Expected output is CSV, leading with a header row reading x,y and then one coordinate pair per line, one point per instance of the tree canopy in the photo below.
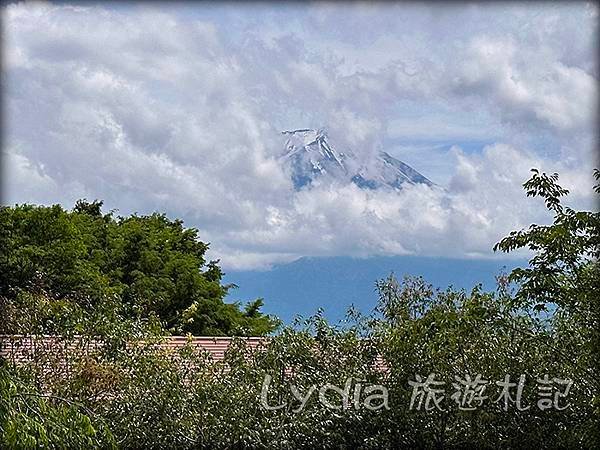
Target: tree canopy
x,y
146,266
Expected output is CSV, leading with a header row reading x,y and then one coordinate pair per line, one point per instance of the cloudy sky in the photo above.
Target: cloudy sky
x,y
179,108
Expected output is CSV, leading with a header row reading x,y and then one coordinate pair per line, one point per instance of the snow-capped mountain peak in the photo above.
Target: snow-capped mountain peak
x,y
309,157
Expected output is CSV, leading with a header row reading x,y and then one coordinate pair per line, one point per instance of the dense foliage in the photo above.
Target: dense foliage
x,y
56,263
29,419
540,324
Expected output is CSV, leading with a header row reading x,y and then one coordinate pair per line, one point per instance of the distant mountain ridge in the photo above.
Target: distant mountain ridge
x,y
309,156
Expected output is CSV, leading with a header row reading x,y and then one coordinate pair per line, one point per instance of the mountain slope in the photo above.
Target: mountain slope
x,y
309,157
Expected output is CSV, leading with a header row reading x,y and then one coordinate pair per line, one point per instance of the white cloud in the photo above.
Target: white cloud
x,y
162,109
526,87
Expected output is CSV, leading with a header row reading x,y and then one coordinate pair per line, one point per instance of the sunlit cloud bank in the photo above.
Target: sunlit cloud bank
x,y
179,109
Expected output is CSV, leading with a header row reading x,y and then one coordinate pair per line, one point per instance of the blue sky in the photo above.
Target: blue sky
x,y
179,107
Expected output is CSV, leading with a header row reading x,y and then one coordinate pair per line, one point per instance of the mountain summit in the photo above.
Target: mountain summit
x,y
309,156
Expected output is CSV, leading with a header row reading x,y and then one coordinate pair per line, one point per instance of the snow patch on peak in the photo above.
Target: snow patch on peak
x,y
309,155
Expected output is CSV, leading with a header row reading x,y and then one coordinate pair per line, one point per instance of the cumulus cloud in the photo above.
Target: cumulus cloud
x,y
524,88
176,109
484,201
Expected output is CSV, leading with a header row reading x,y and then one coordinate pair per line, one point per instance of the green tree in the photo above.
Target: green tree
x,y
87,260
564,276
